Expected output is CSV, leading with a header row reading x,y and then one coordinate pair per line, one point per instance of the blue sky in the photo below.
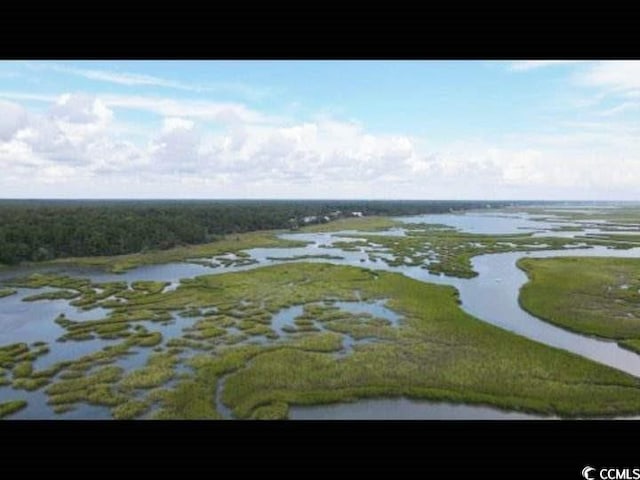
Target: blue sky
x,y
320,129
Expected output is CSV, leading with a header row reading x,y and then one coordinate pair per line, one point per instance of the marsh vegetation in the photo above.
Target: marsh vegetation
x,y
435,352
594,296
249,341
448,251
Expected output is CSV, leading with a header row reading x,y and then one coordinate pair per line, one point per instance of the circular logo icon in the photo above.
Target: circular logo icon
x,y
586,472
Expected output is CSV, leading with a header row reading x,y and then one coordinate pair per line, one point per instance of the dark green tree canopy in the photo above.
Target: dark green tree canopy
x,y
36,230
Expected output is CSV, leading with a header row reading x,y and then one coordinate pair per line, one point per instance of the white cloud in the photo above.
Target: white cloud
x,y
80,116
175,150
313,151
613,80
224,112
136,80
526,65
121,78
75,146
78,108
176,123
618,76
12,118
28,96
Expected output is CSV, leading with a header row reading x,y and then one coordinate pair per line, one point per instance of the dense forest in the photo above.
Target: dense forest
x,y
36,230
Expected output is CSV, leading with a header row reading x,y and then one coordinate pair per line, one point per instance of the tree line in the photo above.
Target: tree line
x,y
36,230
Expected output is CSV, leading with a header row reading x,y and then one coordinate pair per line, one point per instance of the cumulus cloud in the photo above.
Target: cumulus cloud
x,y
222,112
73,142
47,146
12,118
176,123
80,116
175,150
80,108
324,151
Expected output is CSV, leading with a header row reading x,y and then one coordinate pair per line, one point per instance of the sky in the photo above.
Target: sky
x,y
548,130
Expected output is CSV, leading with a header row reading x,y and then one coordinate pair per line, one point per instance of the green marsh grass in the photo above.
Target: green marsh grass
x,y
158,371
272,411
95,388
594,296
8,408
23,369
5,292
438,352
57,295
29,383
371,223
130,409
449,251
233,244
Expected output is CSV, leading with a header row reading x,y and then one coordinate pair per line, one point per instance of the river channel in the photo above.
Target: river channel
x,y
492,296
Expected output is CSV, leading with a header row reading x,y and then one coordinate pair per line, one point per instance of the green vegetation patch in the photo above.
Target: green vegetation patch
x,y
8,408
79,381
10,354
23,369
449,252
95,388
438,352
84,293
158,371
189,400
194,398
33,383
594,296
273,411
369,224
117,324
612,240
322,342
17,358
39,280
607,218
230,244
5,292
57,295
306,257
130,410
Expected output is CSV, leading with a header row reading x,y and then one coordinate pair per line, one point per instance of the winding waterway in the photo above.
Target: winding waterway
x,y
492,297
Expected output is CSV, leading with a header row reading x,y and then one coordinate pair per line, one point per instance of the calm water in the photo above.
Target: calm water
x,y
484,222
492,296
404,409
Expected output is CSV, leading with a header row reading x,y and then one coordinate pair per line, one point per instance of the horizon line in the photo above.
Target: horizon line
x,y
317,199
